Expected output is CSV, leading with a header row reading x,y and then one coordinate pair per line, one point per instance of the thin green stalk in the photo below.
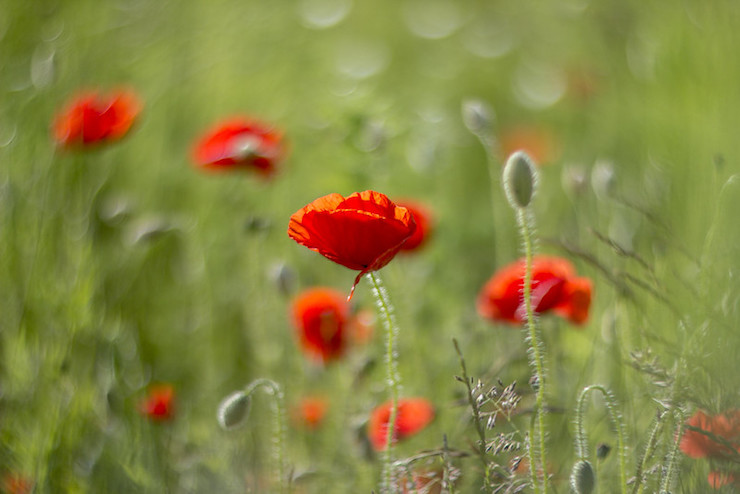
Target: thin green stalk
x,y
649,448
534,346
581,442
278,412
394,379
673,455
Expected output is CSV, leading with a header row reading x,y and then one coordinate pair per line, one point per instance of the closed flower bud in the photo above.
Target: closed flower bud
x,y
520,179
582,478
233,410
477,116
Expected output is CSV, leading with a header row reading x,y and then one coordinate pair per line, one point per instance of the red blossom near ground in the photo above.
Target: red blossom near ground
x,y
310,412
725,426
92,118
320,316
240,144
717,479
414,414
158,405
423,219
17,484
425,481
538,142
554,287
363,231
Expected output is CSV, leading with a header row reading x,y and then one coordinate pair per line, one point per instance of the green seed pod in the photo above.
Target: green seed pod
x,y
520,179
582,478
233,410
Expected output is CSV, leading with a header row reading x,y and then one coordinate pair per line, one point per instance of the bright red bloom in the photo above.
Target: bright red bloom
x,y
240,143
310,412
725,426
554,287
320,316
363,231
423,219
414,414
92,118
159,403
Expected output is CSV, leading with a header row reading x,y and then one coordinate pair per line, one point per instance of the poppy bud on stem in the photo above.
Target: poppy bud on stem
x,y
234,409
581,440
520,181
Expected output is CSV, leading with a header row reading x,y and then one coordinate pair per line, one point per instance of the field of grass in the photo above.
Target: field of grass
x,y
125,267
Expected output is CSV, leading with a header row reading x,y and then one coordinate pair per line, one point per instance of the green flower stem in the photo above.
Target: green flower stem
x,y
581,442
536,352
672,456
278,413
394,379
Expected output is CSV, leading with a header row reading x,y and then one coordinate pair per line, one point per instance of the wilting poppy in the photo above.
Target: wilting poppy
x,y
725,426
159,403
240,143
363,231
539,143
92,117
554,287
310,412
414,414
320,316
423,219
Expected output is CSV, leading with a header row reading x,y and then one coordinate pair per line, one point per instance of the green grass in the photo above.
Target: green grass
x,y
91,316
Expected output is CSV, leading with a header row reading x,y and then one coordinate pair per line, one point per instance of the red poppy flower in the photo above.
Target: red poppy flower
x,y
363,231
310,412
725,426
320,316
554,287
92,118
423,219
414,414
421,480
159,403
240,143
717,479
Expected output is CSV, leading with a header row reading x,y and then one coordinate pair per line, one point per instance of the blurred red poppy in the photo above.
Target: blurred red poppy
x,y
538,142
320,316
725,426
17,484
363,231
92,117
717,479
310,412
159,403
554,287
421,480
240,143
414,414
423,219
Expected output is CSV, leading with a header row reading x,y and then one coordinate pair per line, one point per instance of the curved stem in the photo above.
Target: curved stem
x,y
581,444
278,411
534,346
394,379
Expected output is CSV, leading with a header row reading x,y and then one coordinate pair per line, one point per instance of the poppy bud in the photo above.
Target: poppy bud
x,y
582,478
233,410
602,451
477,116
520,179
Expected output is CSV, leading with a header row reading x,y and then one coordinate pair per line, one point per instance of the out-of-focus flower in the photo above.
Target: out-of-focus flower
x,y
424,224
362,326
538,142
717,479
17,484
554,287
414,414
421,480
362,232
240,143
725,427
159,403
92,117
310,412
320,317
